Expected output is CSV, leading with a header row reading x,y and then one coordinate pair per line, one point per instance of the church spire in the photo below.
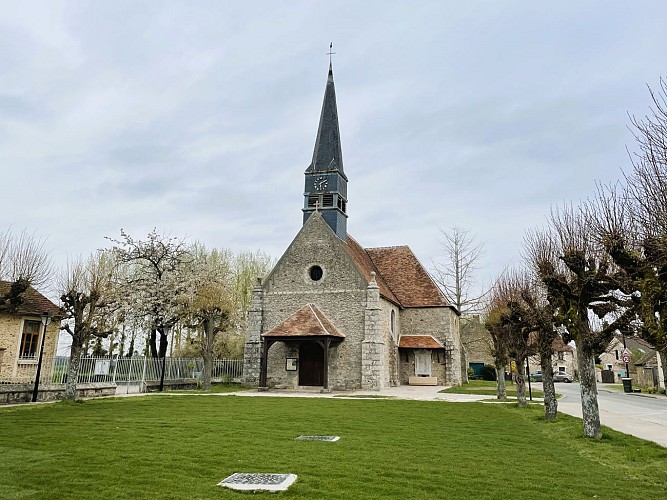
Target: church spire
x,y
325,190
328,154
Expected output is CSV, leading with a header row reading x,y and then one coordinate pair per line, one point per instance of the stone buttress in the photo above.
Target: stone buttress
x,y
373,373
252,351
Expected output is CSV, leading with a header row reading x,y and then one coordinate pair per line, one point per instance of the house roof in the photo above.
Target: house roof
x,y
308,321
419,342
406,277
631,342
559,345
34,303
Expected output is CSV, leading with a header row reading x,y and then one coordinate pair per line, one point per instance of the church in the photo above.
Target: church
x,y
335,315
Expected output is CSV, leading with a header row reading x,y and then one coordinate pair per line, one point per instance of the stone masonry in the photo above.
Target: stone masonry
x,y
252,350
373,372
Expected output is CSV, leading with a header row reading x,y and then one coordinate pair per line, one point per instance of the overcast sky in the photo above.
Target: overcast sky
x,y
199,118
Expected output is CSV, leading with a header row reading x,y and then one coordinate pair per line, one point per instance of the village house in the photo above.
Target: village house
x,y
22,334
643,359
335,315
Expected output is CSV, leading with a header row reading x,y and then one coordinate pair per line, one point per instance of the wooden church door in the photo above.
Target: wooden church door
x,y
311,364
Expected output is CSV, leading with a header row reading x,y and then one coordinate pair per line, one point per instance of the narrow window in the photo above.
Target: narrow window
x,y
30,338
392,322
618,356
327,200
313,201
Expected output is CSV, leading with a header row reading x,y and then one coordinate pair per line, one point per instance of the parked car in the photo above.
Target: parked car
x,y
562,377
536,377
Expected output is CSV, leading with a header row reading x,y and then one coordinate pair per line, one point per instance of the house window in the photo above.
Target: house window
x,y
618,356
29,339
561,356
561,369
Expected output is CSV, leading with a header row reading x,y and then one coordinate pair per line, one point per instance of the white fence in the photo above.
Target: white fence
x,y
134,371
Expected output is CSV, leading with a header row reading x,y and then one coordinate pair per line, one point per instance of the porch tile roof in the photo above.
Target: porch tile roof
x,y
308,321
419,342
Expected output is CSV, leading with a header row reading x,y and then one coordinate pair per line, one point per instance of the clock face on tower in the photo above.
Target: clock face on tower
x,y
321,183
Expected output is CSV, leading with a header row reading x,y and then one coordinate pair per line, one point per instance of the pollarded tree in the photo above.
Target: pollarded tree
x,y
155,282
208,305
499,332
587,291
88,298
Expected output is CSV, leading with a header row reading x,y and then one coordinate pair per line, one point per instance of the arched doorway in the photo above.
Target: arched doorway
x,y
311,364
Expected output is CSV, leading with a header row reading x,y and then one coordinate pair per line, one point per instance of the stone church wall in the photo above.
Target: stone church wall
x,y
340,294
390,340
443,324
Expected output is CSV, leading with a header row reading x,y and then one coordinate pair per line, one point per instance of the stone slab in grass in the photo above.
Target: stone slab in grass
x,y
245,481
330,439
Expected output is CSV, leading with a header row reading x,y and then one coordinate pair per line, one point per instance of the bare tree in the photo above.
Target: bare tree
x,y
583,285
455,273
23,262
499,332
87,297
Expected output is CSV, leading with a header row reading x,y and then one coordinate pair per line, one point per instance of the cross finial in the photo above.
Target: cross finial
x,y
331,52
317,206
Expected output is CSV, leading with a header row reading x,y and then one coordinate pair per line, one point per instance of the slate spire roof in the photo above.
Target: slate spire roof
x,y
328,155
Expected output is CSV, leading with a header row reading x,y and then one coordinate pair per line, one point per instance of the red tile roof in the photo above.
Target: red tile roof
x,y
34,303
406,277
419,342
308,321
366,266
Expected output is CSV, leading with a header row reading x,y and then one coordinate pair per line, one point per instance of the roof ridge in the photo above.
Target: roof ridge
x,y
312,308
390,246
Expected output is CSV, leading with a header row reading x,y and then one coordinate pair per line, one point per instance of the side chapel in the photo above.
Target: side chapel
x,y
335,315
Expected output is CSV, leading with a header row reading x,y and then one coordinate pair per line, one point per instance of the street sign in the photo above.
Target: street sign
x,y
625,358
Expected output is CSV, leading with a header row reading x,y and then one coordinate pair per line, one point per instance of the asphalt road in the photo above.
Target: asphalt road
x,y
636,414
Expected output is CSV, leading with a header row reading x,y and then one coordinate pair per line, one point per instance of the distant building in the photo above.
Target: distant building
x,y
643,357
333,314
563,359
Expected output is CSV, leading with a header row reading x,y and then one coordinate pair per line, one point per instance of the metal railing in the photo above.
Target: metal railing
x,y
132,371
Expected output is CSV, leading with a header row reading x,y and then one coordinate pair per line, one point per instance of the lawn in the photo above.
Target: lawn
x,y
174,446
488,388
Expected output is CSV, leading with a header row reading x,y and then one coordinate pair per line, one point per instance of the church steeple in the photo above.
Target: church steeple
x,y
326,182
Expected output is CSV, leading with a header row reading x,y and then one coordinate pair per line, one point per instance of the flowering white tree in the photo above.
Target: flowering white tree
x,y
155,283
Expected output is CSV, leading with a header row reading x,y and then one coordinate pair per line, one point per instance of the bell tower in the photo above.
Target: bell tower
x,y
326,183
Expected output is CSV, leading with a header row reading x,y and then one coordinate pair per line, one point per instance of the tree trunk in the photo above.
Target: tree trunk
x,y
208,336
163,345
663,362
208,369
589,396
500,381
521,381
152,344
75,352
550,401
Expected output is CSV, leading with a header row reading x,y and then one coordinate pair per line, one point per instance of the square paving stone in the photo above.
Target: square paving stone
x,y
247,481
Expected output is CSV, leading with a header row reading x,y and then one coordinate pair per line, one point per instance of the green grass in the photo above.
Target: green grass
x,y
487,388
215,389
172,447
